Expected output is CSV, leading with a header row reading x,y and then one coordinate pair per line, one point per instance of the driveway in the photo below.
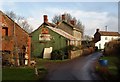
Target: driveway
x,y
81,68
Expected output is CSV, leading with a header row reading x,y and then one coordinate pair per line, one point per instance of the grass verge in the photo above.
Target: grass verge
x,y
21,73
110,72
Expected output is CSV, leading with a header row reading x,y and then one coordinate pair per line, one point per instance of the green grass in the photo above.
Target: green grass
x,y
112,60
19,73
42,62
27,73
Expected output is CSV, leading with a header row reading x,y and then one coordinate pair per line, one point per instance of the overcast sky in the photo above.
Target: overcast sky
x,y
93,15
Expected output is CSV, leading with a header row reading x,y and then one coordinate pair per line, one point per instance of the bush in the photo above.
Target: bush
x,y
57,55
112,48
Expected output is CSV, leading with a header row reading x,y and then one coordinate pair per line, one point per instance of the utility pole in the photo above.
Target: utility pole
x,y
106,28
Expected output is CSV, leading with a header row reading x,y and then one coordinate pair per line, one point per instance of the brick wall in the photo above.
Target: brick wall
x,y
16,37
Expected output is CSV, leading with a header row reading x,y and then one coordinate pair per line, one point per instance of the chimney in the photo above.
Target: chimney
x,y
72,22
57,22
45,18
63,17
97,30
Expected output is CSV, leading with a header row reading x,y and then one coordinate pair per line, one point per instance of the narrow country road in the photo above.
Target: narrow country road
x,y
80,69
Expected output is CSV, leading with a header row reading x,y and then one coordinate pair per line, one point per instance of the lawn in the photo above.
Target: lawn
x,y
28,73
18,73
43,62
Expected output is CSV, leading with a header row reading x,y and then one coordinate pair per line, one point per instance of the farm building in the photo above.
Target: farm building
x,y
49,36
15,42
70,28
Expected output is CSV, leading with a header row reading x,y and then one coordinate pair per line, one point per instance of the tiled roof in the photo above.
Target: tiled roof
x,y
50,24
63,33
106,33
73,27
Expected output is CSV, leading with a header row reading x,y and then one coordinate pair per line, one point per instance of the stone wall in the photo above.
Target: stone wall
x,y
74,54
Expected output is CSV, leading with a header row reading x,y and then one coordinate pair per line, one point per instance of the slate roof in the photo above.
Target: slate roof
x,y
107,33
62,33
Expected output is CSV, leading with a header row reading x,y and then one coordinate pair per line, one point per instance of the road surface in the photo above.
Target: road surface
x,y
80,69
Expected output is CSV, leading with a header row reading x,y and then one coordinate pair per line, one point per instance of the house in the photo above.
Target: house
x,y
70,28
102,37
47,36
15,42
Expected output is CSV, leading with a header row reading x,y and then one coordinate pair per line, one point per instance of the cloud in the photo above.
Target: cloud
x,y
90,19
34,23
1,4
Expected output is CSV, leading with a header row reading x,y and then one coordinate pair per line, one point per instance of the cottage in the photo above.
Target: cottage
x,y
48,36
102,37
71,29
15,42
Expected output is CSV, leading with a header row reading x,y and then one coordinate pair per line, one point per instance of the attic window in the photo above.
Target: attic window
x,y
4,31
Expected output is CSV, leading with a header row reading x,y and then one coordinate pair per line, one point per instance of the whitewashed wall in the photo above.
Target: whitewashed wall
x,y
100,44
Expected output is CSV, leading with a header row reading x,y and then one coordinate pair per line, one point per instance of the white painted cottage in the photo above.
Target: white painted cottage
x,y
105,36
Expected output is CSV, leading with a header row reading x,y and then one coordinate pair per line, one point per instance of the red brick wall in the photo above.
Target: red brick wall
x,y
19,39
29,49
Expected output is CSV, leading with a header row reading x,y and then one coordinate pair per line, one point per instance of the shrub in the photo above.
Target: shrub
x,y
112,48
57,55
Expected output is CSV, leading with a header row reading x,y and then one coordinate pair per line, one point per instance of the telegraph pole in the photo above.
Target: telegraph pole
x,y
106,28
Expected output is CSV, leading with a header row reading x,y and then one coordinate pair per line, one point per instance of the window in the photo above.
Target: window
x,y
99,46
112,38
105,38
4,31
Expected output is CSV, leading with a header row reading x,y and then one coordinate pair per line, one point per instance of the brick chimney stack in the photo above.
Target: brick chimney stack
x,y
97,30
45,18
72,22
63,17
57,22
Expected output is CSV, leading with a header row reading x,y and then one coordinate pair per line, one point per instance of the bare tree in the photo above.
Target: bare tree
x,y
68,18
11,14
20,20
56,19
87,37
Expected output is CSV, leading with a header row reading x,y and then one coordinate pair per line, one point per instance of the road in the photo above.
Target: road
x,y
80,69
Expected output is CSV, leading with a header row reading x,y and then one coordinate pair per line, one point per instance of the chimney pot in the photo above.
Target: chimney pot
x,y
97,30
57,23
63,17
72,22
45,18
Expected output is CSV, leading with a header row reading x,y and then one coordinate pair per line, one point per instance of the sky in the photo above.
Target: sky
x,y
93,15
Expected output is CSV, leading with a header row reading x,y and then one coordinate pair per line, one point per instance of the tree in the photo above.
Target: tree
x,y
87,37
11,14
20,20
56,19
68,18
